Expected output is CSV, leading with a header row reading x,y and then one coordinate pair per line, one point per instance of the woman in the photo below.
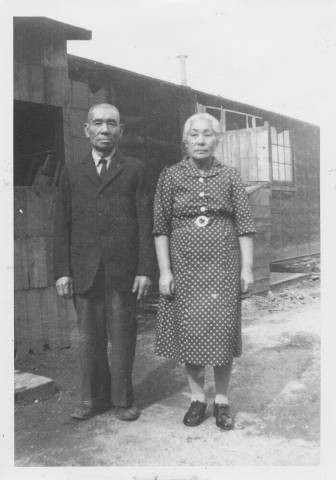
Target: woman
x,y
202,228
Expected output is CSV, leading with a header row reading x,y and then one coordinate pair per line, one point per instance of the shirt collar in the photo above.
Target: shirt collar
x,y
97,156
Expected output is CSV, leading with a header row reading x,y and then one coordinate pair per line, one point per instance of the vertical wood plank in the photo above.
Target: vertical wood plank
x,y
63,321
21,266
22,329
52,320
21,81
79,95
262,145
50,280
36,83
244,155
20,212
34,214
35,320
37,253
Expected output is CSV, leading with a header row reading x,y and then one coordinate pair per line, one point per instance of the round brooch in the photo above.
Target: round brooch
x,y
202,221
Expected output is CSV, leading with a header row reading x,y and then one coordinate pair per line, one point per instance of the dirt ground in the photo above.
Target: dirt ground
x,y
274,396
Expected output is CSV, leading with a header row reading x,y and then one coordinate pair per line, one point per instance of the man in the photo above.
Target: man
x,y
103,258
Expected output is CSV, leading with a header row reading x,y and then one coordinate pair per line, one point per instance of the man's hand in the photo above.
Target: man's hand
x,y
141,285
246,280
64,287
166,284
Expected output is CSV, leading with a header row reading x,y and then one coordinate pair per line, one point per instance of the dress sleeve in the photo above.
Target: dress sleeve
x,y
163,202
241,210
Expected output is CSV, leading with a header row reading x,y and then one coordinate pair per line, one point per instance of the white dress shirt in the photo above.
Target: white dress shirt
x,y
97,156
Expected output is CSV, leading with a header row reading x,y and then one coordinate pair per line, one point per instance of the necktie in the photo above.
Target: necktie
x,y
103,170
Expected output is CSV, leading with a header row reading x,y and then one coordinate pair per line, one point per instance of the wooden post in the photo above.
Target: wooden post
x,y
223,119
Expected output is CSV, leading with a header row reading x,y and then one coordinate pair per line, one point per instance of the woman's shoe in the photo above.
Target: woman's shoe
x,y
222,415
195,414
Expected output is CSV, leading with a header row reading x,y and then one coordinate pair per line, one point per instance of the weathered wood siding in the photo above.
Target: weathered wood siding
x,y
261,212
248,151
295,210
41,75
42,320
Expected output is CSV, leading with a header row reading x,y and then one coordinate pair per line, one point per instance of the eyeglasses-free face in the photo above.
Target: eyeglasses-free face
x,y
201,140
103,128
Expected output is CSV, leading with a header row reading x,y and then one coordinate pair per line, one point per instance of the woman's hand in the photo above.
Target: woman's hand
x,y
246,279
166,284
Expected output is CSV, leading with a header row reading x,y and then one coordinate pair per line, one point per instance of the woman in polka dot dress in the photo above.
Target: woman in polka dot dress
x,y
203,237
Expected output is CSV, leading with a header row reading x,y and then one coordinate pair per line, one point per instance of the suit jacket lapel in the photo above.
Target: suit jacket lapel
x,y
90,170
117,165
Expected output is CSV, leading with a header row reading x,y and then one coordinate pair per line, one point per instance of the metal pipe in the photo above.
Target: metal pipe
x,y
183,69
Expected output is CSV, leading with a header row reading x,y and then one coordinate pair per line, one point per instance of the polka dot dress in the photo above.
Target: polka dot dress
x,y
202,214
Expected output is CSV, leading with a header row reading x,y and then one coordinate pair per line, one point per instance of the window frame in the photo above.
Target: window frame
x,y
277,182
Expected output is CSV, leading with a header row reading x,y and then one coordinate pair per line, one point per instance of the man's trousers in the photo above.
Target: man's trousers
x,y
106,314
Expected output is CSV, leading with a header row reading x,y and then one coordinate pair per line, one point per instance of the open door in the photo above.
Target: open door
x,y
247,147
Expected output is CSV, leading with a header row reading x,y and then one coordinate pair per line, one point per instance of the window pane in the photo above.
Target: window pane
x,y
282,173
288,159
281,154
275,169
274,135
286,138
274,153
288,173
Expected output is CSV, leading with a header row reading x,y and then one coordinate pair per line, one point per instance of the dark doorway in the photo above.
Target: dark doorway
x,y
38,143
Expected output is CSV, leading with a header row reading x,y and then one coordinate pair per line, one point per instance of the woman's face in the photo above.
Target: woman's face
x,y
201,141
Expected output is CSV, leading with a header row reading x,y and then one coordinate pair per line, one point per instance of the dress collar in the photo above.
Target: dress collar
x,y
191,170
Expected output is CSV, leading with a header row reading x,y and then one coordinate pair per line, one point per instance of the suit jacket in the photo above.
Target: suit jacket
x,y
106,220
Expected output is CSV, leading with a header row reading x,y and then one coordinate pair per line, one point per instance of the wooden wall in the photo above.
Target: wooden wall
x,y
41,74
41,70
259,201
248,151
295,210
42,320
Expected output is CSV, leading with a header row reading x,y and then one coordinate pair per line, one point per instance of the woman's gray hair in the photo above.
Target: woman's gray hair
x,y
215,125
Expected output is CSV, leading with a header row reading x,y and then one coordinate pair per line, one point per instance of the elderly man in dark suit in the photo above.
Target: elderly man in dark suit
x,y
103,258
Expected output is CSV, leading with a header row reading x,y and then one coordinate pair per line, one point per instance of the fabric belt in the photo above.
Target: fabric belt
x,y
200,221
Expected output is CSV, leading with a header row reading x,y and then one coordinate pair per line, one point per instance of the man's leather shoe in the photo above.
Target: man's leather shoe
x,y
195,414
84,413
222,415
127,413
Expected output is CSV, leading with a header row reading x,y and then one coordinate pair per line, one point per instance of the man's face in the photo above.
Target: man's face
x,y
103,128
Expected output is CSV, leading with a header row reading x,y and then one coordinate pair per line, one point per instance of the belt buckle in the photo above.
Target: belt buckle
x,y
202,221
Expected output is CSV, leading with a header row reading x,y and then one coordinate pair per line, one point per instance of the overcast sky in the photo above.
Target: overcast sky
x,y
269,53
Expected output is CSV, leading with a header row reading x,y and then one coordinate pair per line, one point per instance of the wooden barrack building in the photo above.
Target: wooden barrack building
x,y
278,158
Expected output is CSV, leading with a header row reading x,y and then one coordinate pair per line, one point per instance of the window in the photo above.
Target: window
x,y
282,156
